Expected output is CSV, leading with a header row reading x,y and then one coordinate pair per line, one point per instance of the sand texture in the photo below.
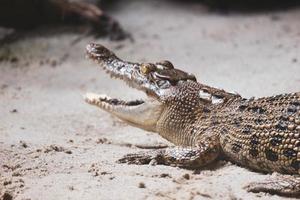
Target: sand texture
x,y
55,146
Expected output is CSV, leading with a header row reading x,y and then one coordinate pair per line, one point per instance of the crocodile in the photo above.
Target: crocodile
x,y
206,123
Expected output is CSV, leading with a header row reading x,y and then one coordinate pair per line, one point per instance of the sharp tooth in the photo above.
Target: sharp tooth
x,y
104,96
92,97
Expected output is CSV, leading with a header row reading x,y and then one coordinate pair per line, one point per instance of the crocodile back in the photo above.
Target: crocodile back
x,y
263,134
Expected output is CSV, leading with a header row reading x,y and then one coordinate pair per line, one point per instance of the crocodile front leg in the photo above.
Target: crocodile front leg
x,y
284,185
186,157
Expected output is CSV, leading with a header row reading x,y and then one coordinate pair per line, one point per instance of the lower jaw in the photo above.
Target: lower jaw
x,y
140,113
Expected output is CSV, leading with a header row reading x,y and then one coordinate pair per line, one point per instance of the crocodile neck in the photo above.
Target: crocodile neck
x,y
184,122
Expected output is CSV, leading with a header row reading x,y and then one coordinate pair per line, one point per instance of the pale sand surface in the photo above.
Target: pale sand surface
x,y
55,146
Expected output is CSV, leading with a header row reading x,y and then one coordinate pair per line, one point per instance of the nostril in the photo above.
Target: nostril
x,y
92,47
89,47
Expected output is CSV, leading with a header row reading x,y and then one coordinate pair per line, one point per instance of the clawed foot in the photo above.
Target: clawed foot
x,y
141,158
185,157
283,185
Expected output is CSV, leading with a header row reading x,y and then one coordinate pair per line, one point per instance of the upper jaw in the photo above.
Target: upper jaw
x,y
117,68
160,77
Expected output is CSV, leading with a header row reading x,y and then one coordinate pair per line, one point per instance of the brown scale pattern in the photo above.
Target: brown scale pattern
x,y
263,134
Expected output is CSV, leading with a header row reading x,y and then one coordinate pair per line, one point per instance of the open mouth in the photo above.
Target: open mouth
x,y
117,102
117,69
103,100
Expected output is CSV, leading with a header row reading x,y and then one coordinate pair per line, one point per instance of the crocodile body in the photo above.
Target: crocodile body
x,y
262,134
205,122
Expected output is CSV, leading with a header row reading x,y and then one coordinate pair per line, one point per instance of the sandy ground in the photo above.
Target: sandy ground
x,y
55,146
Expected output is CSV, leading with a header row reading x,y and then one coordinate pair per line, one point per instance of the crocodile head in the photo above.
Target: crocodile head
x,y
158,80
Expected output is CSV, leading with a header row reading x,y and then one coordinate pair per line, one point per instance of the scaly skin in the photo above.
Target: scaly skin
x,y
205,122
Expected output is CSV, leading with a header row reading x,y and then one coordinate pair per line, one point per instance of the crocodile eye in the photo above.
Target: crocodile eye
x,y
146,68
166,64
